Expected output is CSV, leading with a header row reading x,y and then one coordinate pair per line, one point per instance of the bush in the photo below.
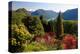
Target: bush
x,y
35,46
48,40
20,36
69,42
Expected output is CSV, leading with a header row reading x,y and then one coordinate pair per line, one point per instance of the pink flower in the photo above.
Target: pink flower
x,y
69,41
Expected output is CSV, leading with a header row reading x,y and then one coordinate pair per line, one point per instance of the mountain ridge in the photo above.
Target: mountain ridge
x,y
71,14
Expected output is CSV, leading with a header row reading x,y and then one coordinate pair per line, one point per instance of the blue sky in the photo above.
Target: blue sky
x,y
32,6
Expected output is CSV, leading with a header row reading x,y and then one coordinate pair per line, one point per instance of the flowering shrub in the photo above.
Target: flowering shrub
x,y
69,42
48,39
20,32
52,34
20,36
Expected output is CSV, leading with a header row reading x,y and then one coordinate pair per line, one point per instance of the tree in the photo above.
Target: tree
x,y
51,25
59,25
70,26
18,15
44,23
34,25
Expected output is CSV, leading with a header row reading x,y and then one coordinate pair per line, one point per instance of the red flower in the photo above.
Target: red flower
x,y
69,41
51,33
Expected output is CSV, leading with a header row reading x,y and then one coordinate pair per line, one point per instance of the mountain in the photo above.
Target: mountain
x,y
23,10
49,14
71,14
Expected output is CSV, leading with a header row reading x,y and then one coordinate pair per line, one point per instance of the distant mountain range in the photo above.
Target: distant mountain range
x,y
71,14
46,13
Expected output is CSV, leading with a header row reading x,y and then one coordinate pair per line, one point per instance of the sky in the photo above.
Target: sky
x,y
32,6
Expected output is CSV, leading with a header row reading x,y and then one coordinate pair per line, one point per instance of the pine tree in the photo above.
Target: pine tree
x,y
59,26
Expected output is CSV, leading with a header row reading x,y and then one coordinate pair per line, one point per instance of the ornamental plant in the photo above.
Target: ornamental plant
x,y
69,42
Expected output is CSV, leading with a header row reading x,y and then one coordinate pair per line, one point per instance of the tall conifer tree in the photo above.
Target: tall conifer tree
x,y
59,25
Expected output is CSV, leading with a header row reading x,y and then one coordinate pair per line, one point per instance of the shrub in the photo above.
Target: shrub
x,y
47,40
69,42
20,36
35,46
20,32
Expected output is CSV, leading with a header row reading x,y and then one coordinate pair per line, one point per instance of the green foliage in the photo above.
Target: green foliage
x,y
13,41
35,46
59,25
34,25
18,15
43,20
71,27
20,36
51,23
35,33
20,32
44,23
22,10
